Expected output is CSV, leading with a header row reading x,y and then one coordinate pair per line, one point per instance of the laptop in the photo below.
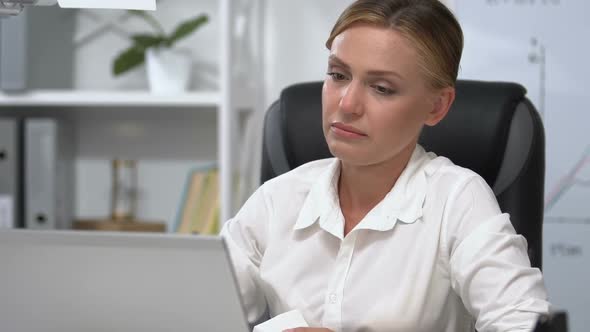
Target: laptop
x,y
66,281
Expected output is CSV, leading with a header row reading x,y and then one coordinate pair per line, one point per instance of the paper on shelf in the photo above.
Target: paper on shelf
x,y
109,4
287,320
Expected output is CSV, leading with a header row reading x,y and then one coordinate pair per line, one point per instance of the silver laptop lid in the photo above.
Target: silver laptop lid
x,y
81,281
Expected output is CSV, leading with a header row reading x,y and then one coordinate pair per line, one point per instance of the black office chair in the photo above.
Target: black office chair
x,y
492,128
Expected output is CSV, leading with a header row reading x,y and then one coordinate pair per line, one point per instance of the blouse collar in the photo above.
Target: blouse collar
x,y
403,202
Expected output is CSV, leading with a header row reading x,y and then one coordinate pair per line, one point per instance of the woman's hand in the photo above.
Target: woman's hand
x,y
308,329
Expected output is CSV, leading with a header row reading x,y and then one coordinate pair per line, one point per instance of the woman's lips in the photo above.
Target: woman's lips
x,y
343,130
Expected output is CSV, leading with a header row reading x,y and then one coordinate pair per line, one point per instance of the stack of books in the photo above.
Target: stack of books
x,y
199,208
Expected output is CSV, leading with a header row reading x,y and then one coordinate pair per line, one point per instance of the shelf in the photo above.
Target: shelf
x,y
108,98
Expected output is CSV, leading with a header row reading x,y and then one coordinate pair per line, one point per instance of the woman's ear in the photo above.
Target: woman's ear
x,y
443,100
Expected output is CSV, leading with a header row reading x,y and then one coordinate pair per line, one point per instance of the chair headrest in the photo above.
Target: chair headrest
x,y
473,134
301,109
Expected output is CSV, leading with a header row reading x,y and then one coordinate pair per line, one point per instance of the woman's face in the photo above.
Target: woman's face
x,y
375,99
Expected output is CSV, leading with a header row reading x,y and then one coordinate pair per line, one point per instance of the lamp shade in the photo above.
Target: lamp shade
x,y
109,4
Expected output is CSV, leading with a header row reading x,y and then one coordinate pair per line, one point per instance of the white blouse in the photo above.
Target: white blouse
x,y
436,254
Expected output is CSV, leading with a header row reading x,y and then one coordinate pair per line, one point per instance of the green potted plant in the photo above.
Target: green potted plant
x,y
168,67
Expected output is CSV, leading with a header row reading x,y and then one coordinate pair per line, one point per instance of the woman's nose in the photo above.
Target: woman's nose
x,y
351,99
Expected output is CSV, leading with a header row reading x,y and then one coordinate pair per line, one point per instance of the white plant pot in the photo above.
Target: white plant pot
x,y
168,70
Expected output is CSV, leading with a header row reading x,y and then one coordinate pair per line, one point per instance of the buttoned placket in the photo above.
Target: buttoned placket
x,y
335,291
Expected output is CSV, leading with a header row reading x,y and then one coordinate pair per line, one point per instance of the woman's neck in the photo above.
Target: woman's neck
x,y
361,188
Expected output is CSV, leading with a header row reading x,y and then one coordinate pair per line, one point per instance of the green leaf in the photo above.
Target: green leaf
x,y
145,41
128,59
186,28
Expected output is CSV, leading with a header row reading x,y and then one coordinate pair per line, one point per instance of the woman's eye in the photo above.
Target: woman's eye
x,y
337,76
382,90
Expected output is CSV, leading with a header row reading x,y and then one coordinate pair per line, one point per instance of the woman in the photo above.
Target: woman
x,y
385,237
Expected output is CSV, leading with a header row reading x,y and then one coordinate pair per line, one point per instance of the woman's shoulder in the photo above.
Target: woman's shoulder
x,y
443,171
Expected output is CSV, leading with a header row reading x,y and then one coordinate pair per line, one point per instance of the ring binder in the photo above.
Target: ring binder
x,y
10,172
49,174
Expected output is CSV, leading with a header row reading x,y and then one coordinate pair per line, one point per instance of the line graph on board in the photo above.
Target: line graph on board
x,y
567,182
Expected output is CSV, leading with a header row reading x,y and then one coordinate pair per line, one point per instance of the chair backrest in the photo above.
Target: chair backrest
x,y
492,128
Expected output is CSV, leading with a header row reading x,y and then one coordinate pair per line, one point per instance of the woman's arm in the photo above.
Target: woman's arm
x,y
245,236
489,265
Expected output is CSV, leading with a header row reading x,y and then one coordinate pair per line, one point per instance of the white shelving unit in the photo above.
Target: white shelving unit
x,y
109,98
226,123
238,20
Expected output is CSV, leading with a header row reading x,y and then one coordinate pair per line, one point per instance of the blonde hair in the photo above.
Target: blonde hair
x,y
428,24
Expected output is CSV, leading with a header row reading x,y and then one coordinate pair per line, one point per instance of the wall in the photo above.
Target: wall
x,y
296,32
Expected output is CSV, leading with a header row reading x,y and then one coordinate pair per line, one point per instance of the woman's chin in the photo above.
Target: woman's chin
x,y
352,155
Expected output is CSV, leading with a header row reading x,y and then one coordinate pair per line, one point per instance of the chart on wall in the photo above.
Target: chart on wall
x,y
544,45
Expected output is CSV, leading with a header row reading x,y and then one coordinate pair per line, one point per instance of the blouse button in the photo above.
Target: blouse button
x,y
333,298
